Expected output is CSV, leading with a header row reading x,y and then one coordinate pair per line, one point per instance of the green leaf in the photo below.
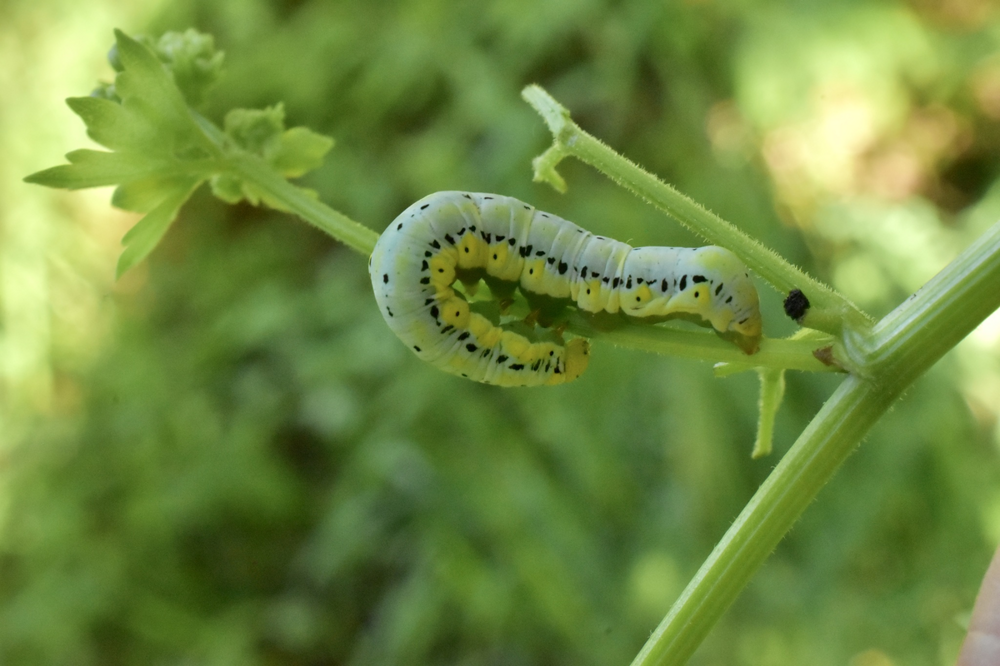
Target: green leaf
x,y
113,126
261,132
146,235
97,168
146,78
299,151
142,196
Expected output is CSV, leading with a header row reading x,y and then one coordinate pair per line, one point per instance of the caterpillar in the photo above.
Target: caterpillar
x,y
449,236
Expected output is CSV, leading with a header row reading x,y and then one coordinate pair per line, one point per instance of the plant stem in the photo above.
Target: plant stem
x,y
907,342
828,308
356,236
776,354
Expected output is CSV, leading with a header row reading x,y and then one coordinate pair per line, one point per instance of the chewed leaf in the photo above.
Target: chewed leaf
x,y
299,151
545,169
145,236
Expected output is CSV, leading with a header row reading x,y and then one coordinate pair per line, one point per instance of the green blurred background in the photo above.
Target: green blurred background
x,y
227,458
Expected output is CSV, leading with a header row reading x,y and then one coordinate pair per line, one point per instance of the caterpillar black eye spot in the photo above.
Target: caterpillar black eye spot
x,y
588,292
424,207
416,347
399,226
385,278
684,282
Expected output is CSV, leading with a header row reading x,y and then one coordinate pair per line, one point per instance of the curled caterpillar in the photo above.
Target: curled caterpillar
x,y
465,236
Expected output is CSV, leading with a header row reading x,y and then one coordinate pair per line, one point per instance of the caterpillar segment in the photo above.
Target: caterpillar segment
x,y
448,235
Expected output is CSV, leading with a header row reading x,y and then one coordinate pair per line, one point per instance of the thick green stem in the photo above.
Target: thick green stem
x,y
907,342
829,309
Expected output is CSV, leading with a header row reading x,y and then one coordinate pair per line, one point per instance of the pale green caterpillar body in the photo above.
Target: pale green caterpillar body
x,y
462,235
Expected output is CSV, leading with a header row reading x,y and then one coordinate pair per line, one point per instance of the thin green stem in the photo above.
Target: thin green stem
x,y
356,236
774,353
907,342
829,310
772,391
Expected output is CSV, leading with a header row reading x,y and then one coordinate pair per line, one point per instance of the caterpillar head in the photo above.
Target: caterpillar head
x,y
733,307
707,285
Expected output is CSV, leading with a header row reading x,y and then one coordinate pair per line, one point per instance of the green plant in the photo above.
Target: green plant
x,y
163,150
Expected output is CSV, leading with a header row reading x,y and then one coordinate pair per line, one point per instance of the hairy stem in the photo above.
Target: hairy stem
x,y
356,236
829,312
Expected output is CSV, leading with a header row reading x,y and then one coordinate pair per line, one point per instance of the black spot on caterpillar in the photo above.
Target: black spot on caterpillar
x,y
431,316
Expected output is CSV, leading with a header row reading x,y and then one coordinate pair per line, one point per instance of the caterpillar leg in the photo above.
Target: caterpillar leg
x,y
532,318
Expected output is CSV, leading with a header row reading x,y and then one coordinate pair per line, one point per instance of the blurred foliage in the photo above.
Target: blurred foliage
x,y
227,458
